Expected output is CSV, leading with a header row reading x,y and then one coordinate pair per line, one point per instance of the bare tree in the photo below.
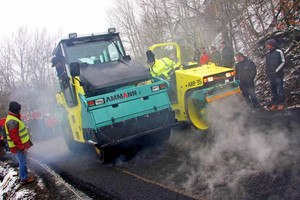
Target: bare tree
x,y
7,78
124,18
20,48
37,61
25,65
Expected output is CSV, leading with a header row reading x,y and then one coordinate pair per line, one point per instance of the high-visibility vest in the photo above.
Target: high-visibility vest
x,y
163,67
23,132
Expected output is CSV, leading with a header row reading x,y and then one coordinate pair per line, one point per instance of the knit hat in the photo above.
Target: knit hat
x,y
150,56
14,107
272,42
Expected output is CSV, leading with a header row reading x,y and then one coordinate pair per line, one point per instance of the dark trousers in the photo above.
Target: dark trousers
x,y
277,91
250,97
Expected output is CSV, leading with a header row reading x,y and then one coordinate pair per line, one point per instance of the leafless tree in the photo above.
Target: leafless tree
x,y
193,23
25,64
7,78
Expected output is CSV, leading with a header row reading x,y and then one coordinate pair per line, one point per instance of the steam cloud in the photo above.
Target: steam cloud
x,y
232,149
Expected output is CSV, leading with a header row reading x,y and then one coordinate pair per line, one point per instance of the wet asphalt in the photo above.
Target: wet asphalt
x,y
176,170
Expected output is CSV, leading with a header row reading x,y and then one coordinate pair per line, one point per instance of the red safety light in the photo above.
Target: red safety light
x,y
162,86
91,103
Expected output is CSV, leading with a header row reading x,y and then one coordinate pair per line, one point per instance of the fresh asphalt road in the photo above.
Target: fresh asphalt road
x,y
175,171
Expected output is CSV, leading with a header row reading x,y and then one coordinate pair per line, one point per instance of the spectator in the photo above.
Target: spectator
x,y
197,56
215,56
18,139
205,58
2,148
3,135
275,62
227,56
246,72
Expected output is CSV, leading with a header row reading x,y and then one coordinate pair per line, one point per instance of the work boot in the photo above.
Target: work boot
x,y
274,107
28,180
280,107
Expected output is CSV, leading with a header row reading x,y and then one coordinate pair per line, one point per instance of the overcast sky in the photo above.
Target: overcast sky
x,y
81,16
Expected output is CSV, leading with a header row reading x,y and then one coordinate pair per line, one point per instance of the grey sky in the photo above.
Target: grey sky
x,y
81,16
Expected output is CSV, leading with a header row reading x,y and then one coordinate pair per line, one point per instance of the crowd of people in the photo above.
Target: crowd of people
x,y
224,58
42,125
245,70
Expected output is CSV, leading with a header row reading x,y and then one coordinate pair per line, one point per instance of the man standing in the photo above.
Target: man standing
x,y
227,56
275,62
245,71
197,56
18,139
215,56
205,58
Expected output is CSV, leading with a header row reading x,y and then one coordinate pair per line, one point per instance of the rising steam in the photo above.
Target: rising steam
x,y
233,148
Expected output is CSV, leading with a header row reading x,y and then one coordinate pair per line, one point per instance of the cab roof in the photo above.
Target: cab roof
x,y
85,39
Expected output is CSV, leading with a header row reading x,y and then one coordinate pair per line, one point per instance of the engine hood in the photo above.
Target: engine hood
x,y
109,74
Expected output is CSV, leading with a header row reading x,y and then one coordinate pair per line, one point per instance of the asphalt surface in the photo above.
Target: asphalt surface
x,y
106,181
251,156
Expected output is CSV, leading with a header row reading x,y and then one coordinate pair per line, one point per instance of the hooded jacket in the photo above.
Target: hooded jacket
x,y
245,72
275,62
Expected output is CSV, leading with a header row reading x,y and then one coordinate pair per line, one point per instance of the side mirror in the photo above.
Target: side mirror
x,y
75,69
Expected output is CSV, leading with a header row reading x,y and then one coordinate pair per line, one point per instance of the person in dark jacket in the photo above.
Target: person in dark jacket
x,y
18,139
245,71
275,62
197,56
2,147
215,56
227,56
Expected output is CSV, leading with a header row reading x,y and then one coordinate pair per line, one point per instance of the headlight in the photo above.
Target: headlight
x,y
95,102
155,88
158,87
111,30
72,35
208,79
99,101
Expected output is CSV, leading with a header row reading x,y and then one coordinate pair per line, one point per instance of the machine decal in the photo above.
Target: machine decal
x,y
121,96
195,83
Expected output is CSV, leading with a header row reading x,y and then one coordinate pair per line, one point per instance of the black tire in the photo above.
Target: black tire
x,y
103,154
